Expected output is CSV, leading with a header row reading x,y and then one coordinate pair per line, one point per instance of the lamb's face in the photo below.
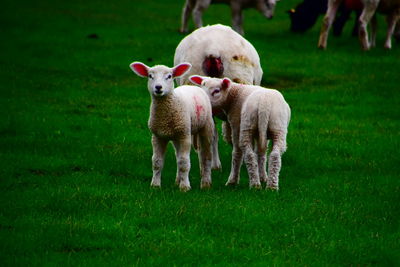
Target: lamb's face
x,y
217,90
160,77
160,80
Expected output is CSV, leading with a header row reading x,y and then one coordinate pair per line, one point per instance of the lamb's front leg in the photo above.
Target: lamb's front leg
x,y
205,155
182,150
216,162
237,159
159,148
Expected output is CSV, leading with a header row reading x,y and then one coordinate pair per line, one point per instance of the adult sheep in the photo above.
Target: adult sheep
x,y
306,13
210,54
391,8
218,51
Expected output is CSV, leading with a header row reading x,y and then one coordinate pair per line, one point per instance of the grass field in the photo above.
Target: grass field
x,y
76,154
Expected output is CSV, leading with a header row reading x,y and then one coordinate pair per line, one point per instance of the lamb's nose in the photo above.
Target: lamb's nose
x,y
158,87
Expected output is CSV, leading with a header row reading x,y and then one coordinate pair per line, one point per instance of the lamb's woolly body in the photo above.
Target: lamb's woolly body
x,y
240,59
184,111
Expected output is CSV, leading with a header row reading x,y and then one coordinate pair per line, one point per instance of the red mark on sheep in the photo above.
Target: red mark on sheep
x,y
199,107
213,66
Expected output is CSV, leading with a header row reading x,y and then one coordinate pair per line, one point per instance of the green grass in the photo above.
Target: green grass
x,y
76,154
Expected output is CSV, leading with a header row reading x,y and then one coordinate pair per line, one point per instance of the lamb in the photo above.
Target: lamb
x,y
210,55
176,115
251,109
265,115
196,7
389,7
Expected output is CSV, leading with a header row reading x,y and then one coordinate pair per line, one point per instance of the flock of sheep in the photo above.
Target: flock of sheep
x,y
184,115
367,9
220,79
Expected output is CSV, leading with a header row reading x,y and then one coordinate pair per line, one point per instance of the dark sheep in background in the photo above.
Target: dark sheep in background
x,y
305,15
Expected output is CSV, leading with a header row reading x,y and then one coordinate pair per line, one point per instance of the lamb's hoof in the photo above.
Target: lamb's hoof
x,y
231,183
263,179
321,47
205,185
217,167
155,186
256,186
272,188
184,188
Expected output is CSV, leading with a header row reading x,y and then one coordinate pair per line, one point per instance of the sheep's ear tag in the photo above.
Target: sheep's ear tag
x,y
226,83
196,80
140,69
181,69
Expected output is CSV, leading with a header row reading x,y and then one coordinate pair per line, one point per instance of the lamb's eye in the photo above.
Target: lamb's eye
x,y
151,76
169,76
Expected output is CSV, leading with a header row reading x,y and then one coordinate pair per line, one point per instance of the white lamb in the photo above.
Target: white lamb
x,y
265,115
255,115
176,115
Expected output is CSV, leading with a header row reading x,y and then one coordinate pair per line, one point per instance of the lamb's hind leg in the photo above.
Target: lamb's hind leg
x,y
205,155
159,148
182,150
250,158
262,162
274,161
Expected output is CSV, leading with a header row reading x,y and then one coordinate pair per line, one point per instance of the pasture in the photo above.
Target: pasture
x,y
76,154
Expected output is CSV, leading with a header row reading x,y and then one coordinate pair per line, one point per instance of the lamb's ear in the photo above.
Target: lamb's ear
x,y
196,79
140,69
181,69
226,83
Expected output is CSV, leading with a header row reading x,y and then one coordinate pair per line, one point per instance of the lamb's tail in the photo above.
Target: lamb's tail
x,y
213,66
263,118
